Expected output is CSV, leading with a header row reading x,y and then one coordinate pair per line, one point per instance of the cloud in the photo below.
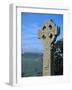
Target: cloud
x,y
31,26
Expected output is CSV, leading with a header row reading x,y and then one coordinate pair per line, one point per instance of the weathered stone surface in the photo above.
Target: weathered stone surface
x,y
47,34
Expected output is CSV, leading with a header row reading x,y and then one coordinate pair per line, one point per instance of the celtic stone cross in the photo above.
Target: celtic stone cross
x,y
47,34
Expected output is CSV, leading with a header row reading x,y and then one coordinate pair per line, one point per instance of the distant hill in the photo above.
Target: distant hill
x,y
31,54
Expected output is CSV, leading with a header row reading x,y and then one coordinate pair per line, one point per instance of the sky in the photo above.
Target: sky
x,y
30,24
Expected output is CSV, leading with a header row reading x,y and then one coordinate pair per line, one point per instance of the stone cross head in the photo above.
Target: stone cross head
x,y
48,33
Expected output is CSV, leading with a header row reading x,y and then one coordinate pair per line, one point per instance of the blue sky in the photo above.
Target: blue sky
x,y
30,24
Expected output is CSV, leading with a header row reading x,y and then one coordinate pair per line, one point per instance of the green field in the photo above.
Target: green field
x,y
31,64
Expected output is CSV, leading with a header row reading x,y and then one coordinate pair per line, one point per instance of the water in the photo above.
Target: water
x,y
32,64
